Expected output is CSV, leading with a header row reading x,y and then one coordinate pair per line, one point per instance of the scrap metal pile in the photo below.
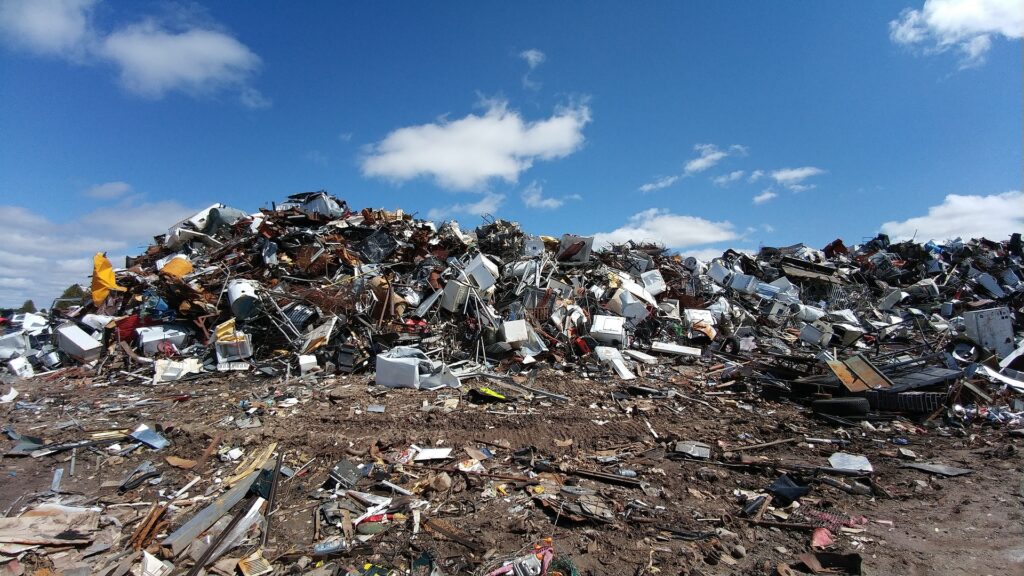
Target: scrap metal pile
x,y
310,291
313,287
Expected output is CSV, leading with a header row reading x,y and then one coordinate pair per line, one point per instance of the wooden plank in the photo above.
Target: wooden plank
x,y
858,374
183,536
867,372
848,379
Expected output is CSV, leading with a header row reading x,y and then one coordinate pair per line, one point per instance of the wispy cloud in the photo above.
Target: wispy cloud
x,y
658,184
465,154
153,57
672,230
794,178
966,26
108,190
966,216
726,179
533,197
489,204
254,99
709,155
765,196
533,58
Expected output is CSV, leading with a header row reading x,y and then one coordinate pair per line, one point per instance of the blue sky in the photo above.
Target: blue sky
x,y
700,125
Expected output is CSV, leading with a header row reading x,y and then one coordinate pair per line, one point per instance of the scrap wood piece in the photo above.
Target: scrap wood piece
x,y
183,536
210,448
148,528
55,529
183,463
449,532
858,374
255,462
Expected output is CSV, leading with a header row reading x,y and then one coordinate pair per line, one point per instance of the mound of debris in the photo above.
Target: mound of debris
x,y
311,304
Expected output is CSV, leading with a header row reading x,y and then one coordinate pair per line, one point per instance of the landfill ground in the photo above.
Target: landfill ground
x,y
971,524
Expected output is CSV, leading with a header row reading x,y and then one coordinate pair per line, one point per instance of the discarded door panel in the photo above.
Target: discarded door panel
x,y
858,374
992,328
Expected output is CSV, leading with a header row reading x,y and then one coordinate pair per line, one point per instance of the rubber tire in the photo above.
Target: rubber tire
x,y
842,406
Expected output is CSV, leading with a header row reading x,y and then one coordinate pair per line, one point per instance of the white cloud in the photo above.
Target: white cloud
x,y
49,27
658,184
533,57
708,254
153,57
726,179
768,228
489,204
765,196
154,61
672,230
793,178
995,216
254,99
533,197
465,154
345,136
39,258
108,190
965,25
755,176
708,155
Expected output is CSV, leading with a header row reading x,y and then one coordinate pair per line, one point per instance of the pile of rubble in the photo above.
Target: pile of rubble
x,y
307,301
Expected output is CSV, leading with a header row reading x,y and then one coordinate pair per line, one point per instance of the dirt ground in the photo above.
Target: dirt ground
x,y
930,525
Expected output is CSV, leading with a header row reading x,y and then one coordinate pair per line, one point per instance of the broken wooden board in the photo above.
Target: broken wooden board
x,y
50,529
858,374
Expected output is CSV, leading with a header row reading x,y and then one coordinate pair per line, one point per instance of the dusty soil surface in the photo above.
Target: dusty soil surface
x,y
929,525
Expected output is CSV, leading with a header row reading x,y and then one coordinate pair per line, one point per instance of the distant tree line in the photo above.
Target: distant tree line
x,y
72,296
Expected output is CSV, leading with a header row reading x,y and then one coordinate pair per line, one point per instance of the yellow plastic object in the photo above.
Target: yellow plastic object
x,y
103,280
177,267
225,332
492,393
